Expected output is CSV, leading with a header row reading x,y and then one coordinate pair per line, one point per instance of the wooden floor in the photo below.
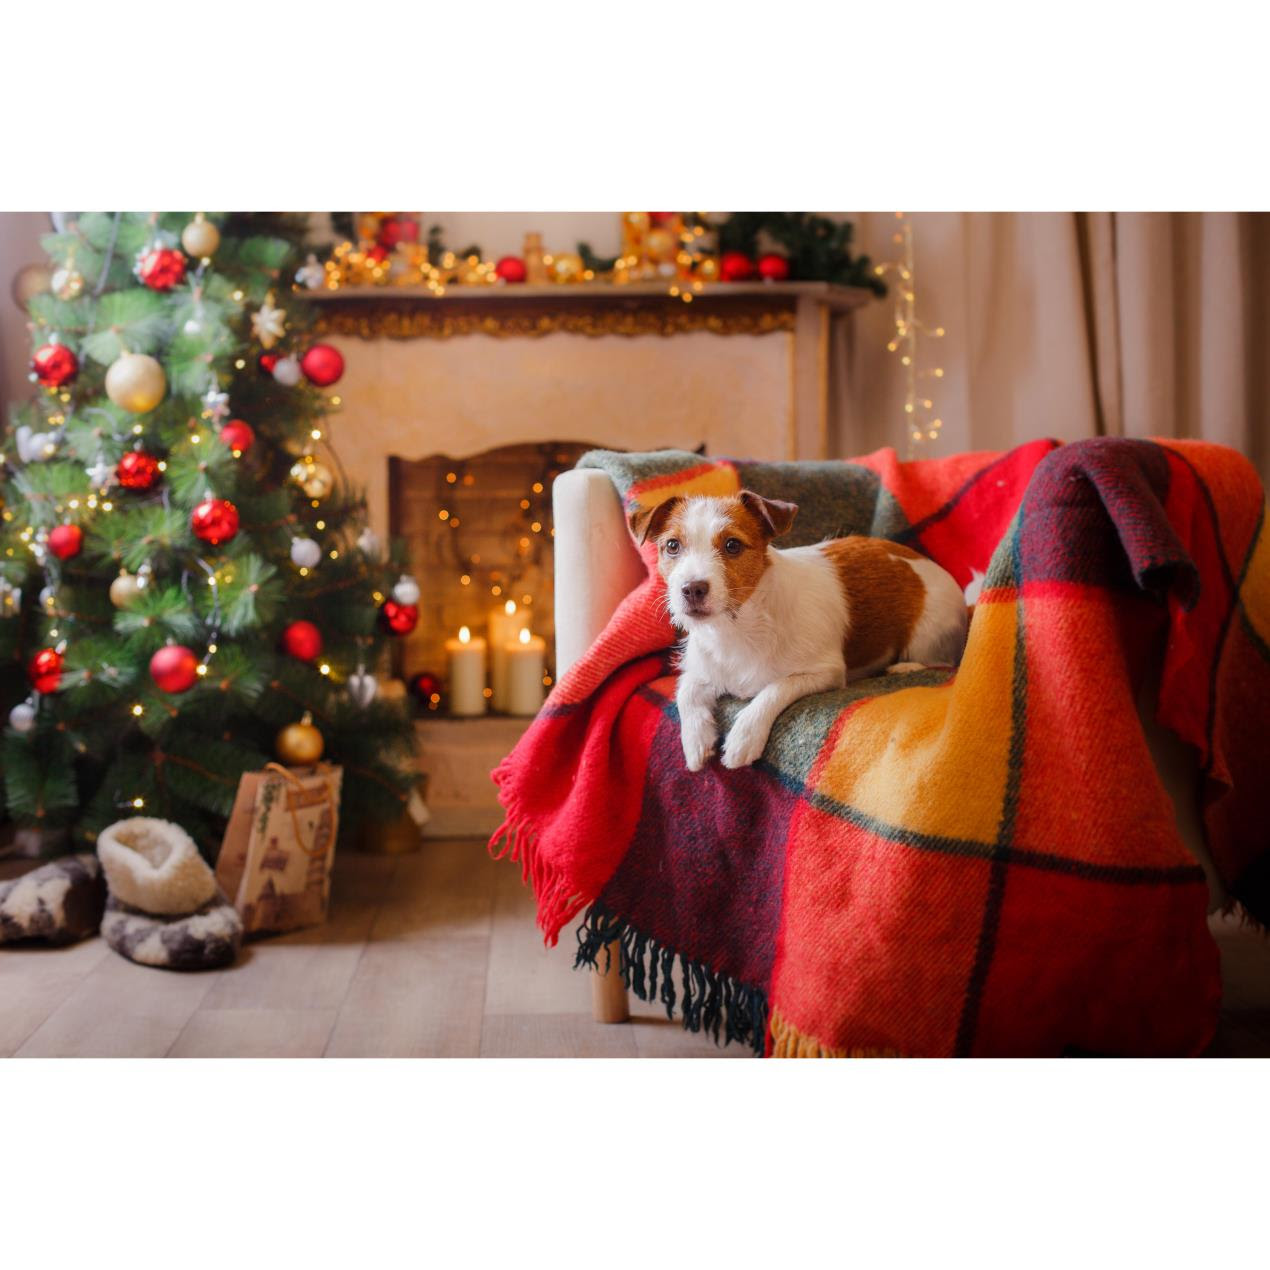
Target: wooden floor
x,y
434,954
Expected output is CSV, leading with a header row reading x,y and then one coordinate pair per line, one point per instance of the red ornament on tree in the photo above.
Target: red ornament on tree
x,y
425,685
397,229
161,268
735,266
44,670
239,435
137,470
65,541
322,365
267,361
378,254
214,520
399,619
303,640
174,668
774,267
511,269
54,365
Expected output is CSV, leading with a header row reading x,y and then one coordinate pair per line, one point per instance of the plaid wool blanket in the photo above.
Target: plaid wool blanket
x,y
979,862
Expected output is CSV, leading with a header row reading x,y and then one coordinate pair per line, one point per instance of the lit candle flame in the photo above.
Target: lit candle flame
x,y
464,635
510,607
524,635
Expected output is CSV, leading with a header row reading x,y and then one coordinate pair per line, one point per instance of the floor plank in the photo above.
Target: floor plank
x,y
555,1036
34,981
255,1034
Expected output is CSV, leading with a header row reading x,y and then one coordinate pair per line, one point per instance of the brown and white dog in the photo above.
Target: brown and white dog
x,y
773,626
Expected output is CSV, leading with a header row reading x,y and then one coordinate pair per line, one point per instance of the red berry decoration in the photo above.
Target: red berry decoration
x,y
774,267
239,435
65,541
322,365
174,668
137,470
267,361
395,230
302,640
735,266
161,268
214,520
44,670
399,619
511,269
54,365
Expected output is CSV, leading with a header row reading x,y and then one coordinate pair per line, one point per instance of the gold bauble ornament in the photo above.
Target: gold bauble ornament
x,y
200,238
67,283
314,478
30,281
661,244
299,744
567,267
707,269
135,382
125,589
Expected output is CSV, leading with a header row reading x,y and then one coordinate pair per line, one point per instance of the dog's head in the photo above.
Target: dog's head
x,y
711,551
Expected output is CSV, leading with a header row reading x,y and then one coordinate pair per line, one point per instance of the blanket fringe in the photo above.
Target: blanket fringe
x,y
789,1042
556,905
711,1002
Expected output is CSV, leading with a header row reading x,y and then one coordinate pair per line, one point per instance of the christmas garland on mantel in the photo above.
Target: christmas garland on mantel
x,y
818,249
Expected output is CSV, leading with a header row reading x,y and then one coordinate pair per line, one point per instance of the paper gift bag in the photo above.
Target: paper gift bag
x,y
275,860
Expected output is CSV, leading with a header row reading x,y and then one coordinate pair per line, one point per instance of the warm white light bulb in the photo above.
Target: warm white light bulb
x,y
524,635
465,635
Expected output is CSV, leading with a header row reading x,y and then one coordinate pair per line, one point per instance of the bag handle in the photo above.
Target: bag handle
x,y
312,849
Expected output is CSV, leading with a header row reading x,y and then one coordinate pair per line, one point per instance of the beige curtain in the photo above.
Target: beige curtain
x,y
1073,325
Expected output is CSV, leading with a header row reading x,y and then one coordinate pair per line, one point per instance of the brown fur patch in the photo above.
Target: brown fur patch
x,y
884,596
743,571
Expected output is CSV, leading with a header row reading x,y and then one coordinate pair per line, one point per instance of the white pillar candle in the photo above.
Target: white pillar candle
x,y
504,622
466,657
525,658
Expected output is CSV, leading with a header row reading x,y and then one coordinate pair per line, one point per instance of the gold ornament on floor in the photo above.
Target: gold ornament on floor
x,y
200,238
300,744
135,382
269,323
126,589
314,478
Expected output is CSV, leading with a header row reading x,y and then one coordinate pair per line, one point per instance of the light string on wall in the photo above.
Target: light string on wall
x,y
922,425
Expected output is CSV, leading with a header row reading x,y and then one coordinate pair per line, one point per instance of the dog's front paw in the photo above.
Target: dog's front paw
x,y
746,740
698,733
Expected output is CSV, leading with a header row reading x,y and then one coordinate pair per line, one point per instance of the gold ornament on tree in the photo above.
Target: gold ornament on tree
x,y
126,589
921,425
299,744
200,237
28,282
313,477
135,382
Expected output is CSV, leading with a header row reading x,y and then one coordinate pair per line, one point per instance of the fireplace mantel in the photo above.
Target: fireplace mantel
x,y
748,369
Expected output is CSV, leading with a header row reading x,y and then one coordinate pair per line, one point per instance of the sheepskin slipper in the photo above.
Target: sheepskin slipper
x,y
164,907
59,902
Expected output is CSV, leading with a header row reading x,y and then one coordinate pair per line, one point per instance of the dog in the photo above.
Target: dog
x,y
772,625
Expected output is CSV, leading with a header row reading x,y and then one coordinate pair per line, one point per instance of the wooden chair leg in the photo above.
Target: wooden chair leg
x,y
608,992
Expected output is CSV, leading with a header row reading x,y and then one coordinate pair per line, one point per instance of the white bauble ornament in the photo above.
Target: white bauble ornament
x,y
48,599
311,274
406,590
136,383
362,688
101,474
35,447
305,553
22,717
216,404
368,543
287,372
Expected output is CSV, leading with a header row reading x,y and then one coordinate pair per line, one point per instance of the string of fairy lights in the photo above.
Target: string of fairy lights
x,y
921,425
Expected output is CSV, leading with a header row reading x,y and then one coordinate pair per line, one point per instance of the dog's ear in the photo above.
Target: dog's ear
x,y
647,522
776,517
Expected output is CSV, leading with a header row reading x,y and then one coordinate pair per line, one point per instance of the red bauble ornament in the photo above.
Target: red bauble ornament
x,y
267,361
44,670
425,685
660,218
397,229
161,268
774,267
302,640
735,266
239,435
511,269
322,365
174,668
399,619
214,520
378,254
137,470
54,365
65,541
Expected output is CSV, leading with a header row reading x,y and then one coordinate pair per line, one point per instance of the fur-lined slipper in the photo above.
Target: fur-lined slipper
x,y
59,902
164,907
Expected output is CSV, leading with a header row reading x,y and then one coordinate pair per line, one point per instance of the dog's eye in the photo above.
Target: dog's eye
x,y
734,546
671,546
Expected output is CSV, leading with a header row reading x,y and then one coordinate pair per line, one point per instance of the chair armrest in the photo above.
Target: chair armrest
x,y
597,564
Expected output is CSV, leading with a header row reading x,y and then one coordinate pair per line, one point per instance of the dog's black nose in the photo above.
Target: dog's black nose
x,y
695,593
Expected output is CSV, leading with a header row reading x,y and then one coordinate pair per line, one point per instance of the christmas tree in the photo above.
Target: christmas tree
x,y
188,588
